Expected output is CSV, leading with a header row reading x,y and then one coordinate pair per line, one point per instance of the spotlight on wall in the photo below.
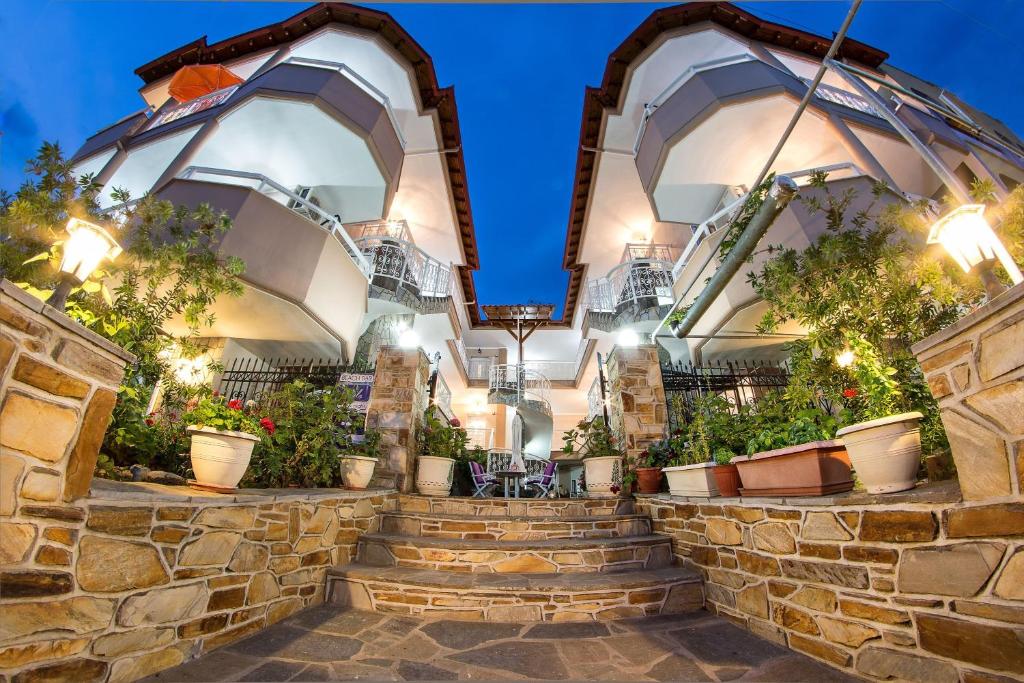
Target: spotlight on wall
x,y
968,238
628,338
408,339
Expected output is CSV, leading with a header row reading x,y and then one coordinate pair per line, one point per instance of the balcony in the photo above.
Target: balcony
x,y
514,384
636,293
400,272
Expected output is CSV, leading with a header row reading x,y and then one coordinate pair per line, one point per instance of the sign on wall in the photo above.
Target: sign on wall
x,y
360,383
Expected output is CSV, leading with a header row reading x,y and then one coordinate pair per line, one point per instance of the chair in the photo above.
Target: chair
x,y
543,481
481,480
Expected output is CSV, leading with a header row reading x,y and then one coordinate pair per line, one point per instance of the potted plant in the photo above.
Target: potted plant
x,y
358,463
223,436
885,449
602,459
795,458
441,443
727,476
648,470
690,473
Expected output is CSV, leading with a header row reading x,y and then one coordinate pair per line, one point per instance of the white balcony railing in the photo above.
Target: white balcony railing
x,y
443,397
396,230
835,95
370,88
480,437
524,383
644,283
286,197
595,401
408,265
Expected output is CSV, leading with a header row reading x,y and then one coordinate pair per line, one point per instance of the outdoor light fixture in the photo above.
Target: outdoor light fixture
x,y
970,241
845,358
628,337
408,339
86,246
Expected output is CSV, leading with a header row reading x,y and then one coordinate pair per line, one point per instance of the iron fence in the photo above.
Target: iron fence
x,y
255,378
739,382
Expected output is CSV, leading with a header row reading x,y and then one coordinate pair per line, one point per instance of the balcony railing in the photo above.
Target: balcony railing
x,y
595,401
480,437
835,95
396,230
640,284
370,88
286,197
514,383
648,252
562,370
400,265
443,397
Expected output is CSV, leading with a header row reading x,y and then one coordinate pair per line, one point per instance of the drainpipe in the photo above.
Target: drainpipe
x,y
779,196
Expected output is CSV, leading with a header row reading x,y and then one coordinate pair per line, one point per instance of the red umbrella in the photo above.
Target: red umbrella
x,y
195,81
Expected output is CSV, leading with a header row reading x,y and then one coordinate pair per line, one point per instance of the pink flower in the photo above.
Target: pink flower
x,y
455,422
235,404
268,425
150,421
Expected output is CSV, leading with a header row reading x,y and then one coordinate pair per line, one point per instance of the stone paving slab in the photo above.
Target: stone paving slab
x,y
326,643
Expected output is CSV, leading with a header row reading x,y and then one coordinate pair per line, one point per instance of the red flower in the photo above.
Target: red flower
x,y
268,425
455,422
615,488
235,404
216,393
849,393
150,421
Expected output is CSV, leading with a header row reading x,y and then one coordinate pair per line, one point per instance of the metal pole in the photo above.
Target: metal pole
x,y
779,196
604,389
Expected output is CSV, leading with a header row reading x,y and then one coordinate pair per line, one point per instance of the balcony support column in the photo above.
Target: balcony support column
x,y
637,411
397,402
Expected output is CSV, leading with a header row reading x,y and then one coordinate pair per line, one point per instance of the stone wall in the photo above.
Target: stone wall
x,y
139,577
915,586
636,397
975,369
58,386
397,401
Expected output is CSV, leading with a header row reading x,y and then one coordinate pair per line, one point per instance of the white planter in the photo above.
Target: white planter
x,y
357,470
434,475
692,480
885,452
219,458
601,474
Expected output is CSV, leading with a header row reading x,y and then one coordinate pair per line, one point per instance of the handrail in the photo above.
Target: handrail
x,y
395,258
627,283
343,68
332,224
528,384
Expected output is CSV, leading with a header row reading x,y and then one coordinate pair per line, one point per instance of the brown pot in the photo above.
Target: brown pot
x,y
728,479
648,479
817,468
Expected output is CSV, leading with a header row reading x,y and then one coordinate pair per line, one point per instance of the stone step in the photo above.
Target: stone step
x,y
516,507
567,555
516,597
429,524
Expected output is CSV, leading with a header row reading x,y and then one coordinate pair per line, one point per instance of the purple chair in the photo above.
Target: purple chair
x,y
481,480
543,481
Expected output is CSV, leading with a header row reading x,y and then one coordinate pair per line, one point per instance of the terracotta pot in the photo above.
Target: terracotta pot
x,y
601,474
434,475
649,479
886,452
728,479
692,480
812,469
220,458
357,470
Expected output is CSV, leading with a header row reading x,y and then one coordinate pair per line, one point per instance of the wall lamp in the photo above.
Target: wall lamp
x,y
87,245
968,238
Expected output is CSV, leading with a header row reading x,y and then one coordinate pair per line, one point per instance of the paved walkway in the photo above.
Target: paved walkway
x,y
328,643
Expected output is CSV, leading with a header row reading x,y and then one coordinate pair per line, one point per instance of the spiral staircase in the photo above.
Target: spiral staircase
x,y
528,391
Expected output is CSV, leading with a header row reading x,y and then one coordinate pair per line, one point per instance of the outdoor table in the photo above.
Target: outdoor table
x,y
508,475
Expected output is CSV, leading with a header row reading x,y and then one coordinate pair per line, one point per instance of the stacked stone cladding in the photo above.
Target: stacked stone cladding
x,y
138,577
917,586
637,411
397,402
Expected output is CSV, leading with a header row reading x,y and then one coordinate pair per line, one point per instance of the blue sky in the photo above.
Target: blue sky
x,y
519,74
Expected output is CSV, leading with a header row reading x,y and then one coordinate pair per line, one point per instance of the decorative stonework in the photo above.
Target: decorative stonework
x,y
140,577
637,410
920,587
58,383
975,369
397,402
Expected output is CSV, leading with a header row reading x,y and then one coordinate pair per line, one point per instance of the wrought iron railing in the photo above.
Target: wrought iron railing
x,y
254,378
835,95
514,383
640,284
284,196
398,264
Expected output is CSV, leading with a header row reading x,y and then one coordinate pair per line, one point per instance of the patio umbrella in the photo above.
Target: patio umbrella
x,y
193,81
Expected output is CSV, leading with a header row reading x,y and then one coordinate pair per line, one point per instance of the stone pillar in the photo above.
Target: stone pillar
x,y
58,386
975,369
636,398
397,402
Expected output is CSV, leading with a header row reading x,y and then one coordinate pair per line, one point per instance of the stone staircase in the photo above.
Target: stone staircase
x,y
515,560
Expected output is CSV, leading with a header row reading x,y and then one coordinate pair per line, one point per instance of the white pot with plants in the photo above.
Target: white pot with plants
x,y
440,442
885,452
223,436
692,471
694,479
602,459
359,462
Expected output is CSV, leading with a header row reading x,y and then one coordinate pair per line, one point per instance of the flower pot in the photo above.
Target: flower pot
x,y
692,480
727,477
886,452
648,479
816,468
220,458
602,473
357,470
434,475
